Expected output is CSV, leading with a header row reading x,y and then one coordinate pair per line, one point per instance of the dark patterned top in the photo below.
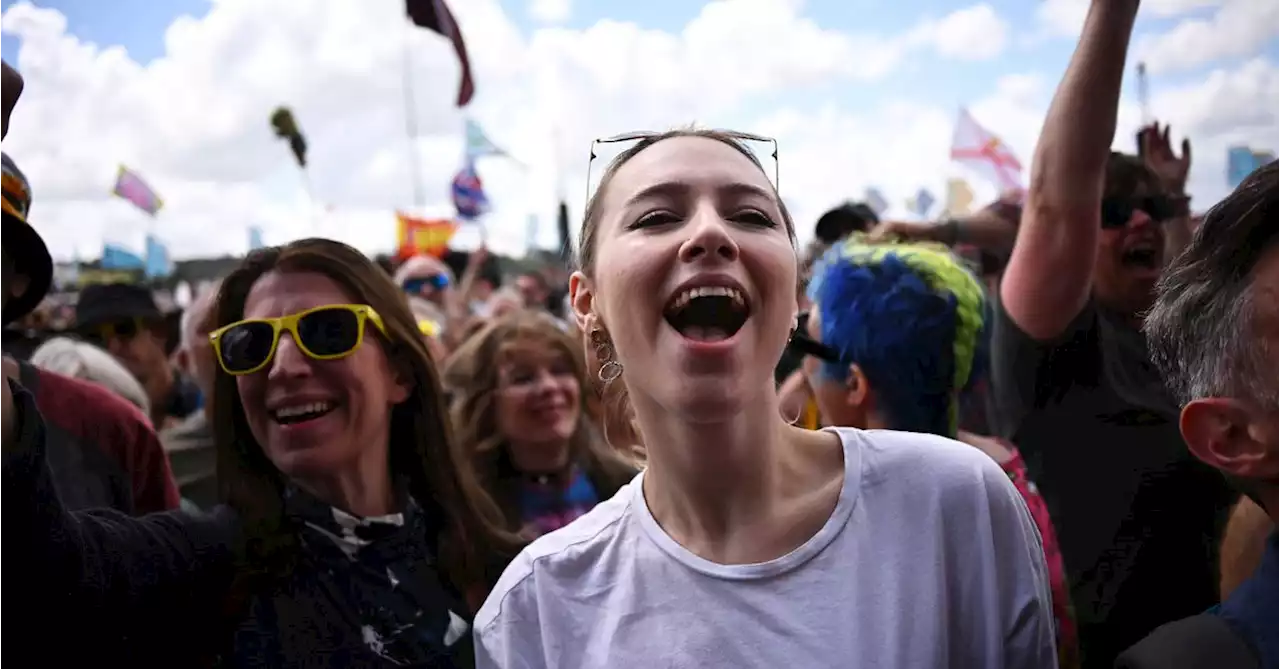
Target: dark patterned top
x,y
381,571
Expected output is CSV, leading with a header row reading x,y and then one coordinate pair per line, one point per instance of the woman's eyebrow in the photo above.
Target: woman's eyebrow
x,y
681,189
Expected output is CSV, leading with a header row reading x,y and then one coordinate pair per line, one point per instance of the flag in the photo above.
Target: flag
x,y
421,236
479,144
157,264
131,187
468,193
562,226
1241,161
116,257
286,128
921,203
434,15
876,200
977,149
959,198
255,238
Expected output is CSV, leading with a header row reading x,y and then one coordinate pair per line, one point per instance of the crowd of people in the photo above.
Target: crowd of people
x,y
1042,435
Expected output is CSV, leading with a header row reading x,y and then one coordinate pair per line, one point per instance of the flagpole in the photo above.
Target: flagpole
x,y
411,123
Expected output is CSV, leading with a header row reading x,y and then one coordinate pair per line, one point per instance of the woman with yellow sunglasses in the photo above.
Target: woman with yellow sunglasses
x,y
348,537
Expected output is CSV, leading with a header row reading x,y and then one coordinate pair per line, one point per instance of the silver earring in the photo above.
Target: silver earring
x,y
610,369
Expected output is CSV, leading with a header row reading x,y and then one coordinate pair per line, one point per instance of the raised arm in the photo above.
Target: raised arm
x,y
115,579
1049,276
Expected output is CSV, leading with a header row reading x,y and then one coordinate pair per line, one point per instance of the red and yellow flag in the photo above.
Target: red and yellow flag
x,y
423,236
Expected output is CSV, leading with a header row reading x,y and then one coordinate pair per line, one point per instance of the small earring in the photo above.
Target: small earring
x,y
610,369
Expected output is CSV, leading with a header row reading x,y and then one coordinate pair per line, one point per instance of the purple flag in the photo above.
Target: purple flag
x,y
131,187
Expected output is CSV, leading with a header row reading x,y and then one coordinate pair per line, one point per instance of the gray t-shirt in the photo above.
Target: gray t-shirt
x,y
930,559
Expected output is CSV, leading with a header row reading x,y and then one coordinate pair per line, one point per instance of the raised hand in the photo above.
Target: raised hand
x,y
1157,152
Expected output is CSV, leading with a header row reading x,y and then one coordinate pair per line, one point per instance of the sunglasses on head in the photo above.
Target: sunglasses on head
x,y
101,333
802,343
744,139
1116,211
416,285
329,332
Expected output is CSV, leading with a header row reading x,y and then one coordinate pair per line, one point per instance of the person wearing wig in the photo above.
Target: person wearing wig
x,y
901,330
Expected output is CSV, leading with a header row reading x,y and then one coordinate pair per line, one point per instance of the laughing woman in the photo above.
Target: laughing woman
x,y
346,539
748,542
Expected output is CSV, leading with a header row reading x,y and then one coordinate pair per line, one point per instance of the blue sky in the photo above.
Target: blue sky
x,y
923,81
139,26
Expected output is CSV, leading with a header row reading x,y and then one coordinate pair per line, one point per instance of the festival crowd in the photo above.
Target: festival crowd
x,y
1043,435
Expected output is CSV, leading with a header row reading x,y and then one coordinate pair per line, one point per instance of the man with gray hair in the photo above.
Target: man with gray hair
x,y
190,443
1213,334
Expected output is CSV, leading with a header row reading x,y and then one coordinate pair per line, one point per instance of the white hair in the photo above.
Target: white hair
x,y
81,360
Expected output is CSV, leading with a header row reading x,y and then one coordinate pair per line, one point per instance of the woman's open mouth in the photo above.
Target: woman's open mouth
x,y
707,313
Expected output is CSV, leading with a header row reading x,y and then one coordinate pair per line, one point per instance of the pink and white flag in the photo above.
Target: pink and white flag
x,y
131,187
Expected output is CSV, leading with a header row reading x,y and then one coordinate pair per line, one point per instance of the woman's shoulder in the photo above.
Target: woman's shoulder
x,y
910,459
561,559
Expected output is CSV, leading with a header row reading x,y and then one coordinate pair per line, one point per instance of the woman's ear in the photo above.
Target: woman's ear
x,y
582,299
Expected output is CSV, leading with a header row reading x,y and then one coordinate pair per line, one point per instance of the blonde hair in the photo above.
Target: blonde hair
x,y
84,361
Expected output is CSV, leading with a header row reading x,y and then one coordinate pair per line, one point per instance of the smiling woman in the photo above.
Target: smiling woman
x,y
739,545
346,529
525,429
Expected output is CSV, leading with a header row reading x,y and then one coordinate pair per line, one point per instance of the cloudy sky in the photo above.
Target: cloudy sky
x,y
858,93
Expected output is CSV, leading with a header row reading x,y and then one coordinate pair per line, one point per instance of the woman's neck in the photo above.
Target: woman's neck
x,y
726,491
540,459
364,490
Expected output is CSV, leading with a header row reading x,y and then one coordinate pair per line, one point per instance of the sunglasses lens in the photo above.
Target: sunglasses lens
x,y
439,281
1158,208
1115,213
330,332
246,346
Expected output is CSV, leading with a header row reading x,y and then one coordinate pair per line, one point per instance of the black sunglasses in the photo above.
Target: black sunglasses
x,y
1116,211
641,135
802,343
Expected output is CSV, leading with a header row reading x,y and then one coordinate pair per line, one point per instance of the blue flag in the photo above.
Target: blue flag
x,y
255,238
115,256
157,262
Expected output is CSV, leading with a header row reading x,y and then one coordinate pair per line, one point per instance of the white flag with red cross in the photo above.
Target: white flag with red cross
x,y
978,149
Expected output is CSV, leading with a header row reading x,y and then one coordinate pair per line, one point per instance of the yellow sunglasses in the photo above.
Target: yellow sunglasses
x,y
327,332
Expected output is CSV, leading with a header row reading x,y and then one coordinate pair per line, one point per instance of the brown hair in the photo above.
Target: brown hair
x,y
591,217
420,439
472,378
1126,173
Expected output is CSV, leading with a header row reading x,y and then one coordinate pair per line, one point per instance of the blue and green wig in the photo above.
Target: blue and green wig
x,y
914,320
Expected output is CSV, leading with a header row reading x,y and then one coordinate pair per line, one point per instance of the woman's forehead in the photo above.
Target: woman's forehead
x,y
281,293
700,162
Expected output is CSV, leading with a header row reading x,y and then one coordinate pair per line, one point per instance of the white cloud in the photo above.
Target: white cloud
x,y
551,11
971,33
1239,28
1064,18
194,122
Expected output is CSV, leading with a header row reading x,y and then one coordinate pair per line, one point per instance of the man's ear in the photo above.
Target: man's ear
x,y
582,299
858,395
1221,433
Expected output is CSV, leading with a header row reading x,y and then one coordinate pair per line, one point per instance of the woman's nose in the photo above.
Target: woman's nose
x,y
289,360
710,237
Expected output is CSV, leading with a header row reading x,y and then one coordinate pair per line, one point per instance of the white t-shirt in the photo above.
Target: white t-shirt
x,y
929,560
